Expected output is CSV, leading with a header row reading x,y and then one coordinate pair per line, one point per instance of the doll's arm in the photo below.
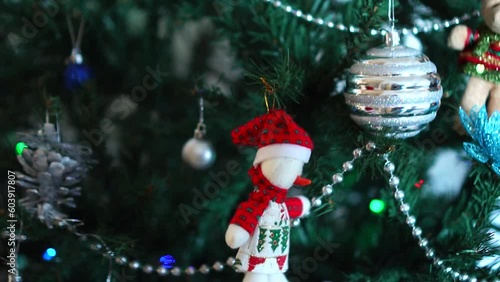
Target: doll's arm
x,y
298,206
462,36
243,224
236,236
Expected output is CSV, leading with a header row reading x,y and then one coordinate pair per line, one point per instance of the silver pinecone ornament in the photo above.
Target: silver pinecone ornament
x,y
52,172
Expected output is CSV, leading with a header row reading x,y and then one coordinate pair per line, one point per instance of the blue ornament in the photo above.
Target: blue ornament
x,y
167,261
486,132
76,73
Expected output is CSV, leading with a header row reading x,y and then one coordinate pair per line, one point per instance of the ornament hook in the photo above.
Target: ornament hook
x,y
76,40
201,128
392,36
49,129
268,91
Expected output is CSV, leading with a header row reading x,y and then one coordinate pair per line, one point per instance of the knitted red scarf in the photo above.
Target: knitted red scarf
x,y
248,213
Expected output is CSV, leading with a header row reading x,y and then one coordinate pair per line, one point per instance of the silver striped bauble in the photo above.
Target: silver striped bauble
x,y
393,91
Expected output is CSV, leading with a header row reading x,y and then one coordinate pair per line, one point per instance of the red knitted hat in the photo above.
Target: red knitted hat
x,y
276,135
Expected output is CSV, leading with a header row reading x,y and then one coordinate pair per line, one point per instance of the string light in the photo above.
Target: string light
x,y
49,254
419,184
20,148
167,261
433,26
22,262
377,206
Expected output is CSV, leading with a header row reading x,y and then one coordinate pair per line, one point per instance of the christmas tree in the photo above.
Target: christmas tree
x,y
105,180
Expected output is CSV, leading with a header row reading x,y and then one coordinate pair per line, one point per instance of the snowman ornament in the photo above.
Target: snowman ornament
x,y
260,227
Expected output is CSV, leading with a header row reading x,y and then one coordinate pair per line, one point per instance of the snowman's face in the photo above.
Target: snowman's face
x,y
282,172
491,14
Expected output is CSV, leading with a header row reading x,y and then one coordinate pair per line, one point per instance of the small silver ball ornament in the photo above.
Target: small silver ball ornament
x,y
198,153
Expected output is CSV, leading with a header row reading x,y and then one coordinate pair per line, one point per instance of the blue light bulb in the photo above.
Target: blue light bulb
x,y
167,261
51,252
47,257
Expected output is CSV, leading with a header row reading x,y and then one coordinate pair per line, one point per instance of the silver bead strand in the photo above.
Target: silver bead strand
x,y
416,231
337,178
204,269
425,28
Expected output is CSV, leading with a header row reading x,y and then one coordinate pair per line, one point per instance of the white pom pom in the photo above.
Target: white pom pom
x,y
447,162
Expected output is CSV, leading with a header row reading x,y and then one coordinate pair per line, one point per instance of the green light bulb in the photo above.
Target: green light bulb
x,y
20,148
377,206
22,262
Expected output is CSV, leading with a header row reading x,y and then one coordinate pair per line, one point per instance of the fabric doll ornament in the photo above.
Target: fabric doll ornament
x,y
260,227
481,58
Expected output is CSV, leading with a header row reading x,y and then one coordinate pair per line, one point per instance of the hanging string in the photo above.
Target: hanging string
x,y
47,120
201,128
392,37
202,107
392,15
76,41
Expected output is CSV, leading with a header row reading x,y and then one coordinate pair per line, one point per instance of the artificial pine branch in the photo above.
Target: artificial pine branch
x,y
283,76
